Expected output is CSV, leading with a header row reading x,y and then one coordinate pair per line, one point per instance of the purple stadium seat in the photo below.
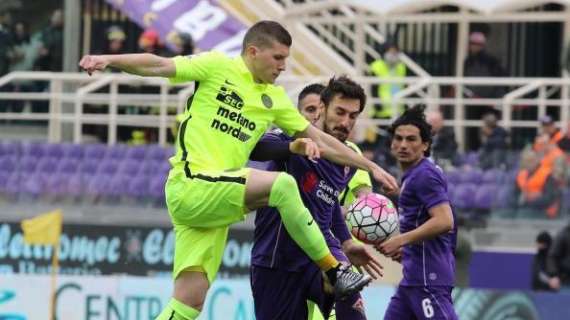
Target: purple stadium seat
x,y
9,149
89,166
463,197
8,163
503,197
492,176
485,196
57,184
4,176
472,176
159,153
13,184
472,159
116,152
137,153
76,185
156,188
47,165
138,187
54,150
129,168
152,167
98,184
108,166
27,164
33,149
119,184
95,151
33,184
72,151
453,176
68,166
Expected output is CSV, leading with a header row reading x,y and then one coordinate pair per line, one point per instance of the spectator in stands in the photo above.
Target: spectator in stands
x,y
564,143
5,42
479,63
444,145
549,153
537,190
183,43
540,276
388,68
149,42
22,56
115,40
558,263
549,128
51,50
494,143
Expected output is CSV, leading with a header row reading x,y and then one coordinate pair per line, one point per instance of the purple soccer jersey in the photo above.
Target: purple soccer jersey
x,y
283,277
430,262
320,183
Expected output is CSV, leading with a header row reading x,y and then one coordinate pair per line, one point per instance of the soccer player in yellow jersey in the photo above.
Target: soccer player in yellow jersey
x,y
208,187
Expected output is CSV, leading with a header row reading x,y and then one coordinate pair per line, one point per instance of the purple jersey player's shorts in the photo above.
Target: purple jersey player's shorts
x,y
410,303
283,295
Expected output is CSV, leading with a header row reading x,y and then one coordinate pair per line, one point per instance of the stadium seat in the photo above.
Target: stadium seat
x,y
492,176
138,187
8,163
54,150
485,196
95,151
67,166
463,197
9,149
89,166
159,153
73,151
137,153
129,168
474,176
116,152
33,149
108,167
27,164
47,165
453,176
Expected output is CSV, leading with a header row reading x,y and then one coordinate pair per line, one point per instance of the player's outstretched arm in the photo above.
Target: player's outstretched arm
x,y
337,152
440,221
142,64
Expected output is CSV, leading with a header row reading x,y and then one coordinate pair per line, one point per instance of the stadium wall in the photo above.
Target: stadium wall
x,y
24,297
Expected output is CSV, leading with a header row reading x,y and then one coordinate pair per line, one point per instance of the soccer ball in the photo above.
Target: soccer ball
x,y
372,218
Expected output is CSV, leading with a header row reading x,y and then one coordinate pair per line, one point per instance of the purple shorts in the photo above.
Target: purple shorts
x,y
283,295
410,303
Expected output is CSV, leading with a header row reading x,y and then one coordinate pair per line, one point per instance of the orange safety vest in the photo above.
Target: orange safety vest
x,y
556,137
550,158
533,186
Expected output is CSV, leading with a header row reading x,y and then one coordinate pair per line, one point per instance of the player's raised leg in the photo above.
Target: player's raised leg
x,y
279,189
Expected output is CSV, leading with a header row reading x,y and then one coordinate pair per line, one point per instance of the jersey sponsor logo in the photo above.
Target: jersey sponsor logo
x,y
238,126
311,183
266,100
229,97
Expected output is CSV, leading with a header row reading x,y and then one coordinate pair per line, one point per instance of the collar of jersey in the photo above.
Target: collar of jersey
x,y
246,74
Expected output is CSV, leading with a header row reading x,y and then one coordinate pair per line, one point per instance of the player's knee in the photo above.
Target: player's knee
x,y
283,183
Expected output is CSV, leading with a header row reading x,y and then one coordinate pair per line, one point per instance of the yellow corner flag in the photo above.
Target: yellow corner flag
x,y
43,229
46,229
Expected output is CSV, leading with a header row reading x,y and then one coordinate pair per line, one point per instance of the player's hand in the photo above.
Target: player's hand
x,y
91,63
398,256
392,247
554,283
305,147
388,182
362,256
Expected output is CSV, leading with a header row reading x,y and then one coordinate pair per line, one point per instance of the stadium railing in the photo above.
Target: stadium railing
x,y
68,93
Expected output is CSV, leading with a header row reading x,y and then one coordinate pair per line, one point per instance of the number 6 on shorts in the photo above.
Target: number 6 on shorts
x,y
427,308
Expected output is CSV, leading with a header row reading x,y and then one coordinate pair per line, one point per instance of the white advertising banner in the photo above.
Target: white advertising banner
x,y
26,297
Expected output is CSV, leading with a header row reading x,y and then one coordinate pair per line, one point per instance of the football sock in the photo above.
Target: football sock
x,y
298,221
176,310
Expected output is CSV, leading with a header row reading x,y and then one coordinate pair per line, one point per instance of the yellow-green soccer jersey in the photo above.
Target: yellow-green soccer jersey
x,y
227,114
360,178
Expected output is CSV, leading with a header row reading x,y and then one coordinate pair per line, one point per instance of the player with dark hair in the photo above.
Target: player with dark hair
x,y
309,102
283,277
428,232
208,187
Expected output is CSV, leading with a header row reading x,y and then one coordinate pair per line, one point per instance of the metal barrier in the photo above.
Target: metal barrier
x,y
69,92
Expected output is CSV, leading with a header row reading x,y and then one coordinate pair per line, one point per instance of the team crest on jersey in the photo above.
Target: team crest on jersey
x,y
266,100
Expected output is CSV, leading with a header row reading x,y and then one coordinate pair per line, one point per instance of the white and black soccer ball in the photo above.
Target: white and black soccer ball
x,y
372,218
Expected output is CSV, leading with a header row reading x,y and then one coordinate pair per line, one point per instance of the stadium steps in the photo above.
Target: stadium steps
x,y
310,55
